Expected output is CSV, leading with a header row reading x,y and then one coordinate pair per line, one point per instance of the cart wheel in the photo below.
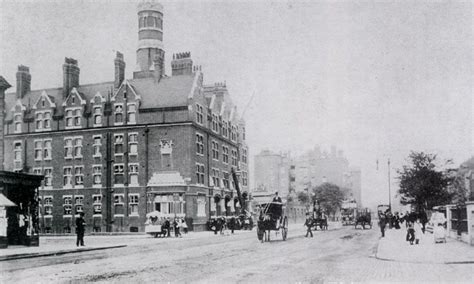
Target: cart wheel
x,y
284,231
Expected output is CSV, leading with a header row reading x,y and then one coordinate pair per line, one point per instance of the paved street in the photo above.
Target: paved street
x,y
336,255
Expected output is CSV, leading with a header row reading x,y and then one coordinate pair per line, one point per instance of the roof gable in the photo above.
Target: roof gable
x,y
44,101
123,87
98,98
75,99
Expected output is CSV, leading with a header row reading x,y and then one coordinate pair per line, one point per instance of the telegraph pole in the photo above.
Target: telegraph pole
x,y
389,192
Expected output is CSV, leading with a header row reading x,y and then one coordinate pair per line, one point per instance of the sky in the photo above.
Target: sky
x,y
377,79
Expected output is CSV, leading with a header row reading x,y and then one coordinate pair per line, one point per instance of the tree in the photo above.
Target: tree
x,y
303,197
329,196
422,184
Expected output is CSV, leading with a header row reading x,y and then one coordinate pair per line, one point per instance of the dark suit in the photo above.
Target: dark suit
x,y
80,228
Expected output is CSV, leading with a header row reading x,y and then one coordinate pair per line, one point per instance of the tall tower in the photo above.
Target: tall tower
x,y
150,53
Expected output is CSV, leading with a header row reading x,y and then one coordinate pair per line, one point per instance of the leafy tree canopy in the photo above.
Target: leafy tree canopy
x,y
421,182
303,197
329,196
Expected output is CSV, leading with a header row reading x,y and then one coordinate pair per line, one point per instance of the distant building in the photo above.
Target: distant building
x,y
272,173
120,149
316,167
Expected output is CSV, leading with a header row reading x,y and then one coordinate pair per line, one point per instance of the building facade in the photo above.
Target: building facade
x,y
118,150
272,173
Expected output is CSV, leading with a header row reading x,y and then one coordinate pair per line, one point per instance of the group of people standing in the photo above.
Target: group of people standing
x,y
415,224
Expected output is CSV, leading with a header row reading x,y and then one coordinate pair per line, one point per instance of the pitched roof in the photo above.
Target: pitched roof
x,y
168,92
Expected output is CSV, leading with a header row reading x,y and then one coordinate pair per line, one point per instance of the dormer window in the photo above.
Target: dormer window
x,y
118,114
73,117
43,120
17,120
224,129
215,123
98,116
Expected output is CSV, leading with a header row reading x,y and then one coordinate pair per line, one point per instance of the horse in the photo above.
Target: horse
x,y
363,220
321,222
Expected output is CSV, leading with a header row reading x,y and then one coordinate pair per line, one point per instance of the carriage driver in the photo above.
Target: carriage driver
x,y
277,199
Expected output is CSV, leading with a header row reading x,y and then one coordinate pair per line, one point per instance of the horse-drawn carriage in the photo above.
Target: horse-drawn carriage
x,y
320,220
271,218
363,218
348,216
156,224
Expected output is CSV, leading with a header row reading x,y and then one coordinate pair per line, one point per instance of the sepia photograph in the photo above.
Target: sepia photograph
x,y
236,141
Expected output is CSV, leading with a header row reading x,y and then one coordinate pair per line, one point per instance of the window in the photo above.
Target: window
x,y
38,150
79,203
133,143
48,177
118,174
199,144
201,206
233,134
17,153
47,120
47,150
244,178
97,174
48,205
78,147
67,205
118,144
18,122
215,123
118,114
243,133
244,156
132,113
200,173
199,114
234,157
225,154
37,171
67,176
77,117
133,174
96,145
69,118
97,204
118,199
79,175
39,121
224,129
68,148
215,150
225,180
169,204
98,116
133,203
215,177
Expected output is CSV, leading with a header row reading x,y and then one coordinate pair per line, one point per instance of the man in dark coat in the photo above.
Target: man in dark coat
x,y
382,223
232,224
167,226
308,223
80,228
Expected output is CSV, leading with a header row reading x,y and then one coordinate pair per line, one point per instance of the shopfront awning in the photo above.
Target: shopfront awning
x,y
5,202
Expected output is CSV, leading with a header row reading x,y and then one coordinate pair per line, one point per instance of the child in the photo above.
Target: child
x,y
410,232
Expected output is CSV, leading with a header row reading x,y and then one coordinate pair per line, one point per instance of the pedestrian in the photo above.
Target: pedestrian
x,y
184,225
308,223
176,225
382,223
80,228
167,226
232,224
410,232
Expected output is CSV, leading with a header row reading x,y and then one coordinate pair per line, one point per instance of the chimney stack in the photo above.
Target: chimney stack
x,y
119,70
23,81
182,64
70,75
3,86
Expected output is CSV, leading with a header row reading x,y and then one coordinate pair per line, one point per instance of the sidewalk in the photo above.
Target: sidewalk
x,y
394,247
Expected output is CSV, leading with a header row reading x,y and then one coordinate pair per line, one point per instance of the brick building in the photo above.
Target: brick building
x,y
120,149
